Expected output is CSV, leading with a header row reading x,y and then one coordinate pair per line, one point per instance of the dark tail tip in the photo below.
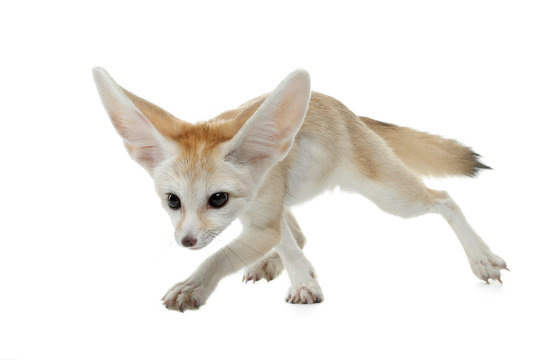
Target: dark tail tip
x,y
477,165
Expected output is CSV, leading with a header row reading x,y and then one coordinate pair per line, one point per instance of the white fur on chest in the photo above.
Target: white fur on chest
x,y
312,172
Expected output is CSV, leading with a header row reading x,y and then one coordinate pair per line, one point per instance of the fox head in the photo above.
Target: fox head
x,y
207,174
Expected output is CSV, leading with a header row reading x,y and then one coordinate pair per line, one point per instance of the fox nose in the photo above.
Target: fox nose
x,y
189,241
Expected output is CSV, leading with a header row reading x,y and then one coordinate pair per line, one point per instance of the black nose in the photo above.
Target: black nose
x,y
189,241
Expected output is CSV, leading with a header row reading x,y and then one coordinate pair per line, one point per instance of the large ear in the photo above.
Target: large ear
x,y
268,135
143,141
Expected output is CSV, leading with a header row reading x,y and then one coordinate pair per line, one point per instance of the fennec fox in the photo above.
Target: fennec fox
x,y
254,163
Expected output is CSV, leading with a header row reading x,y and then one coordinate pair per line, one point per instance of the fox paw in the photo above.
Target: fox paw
x,y
186,295
269,267
305,293
487,265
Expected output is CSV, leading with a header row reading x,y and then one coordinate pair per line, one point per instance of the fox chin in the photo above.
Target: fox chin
x,y
280,149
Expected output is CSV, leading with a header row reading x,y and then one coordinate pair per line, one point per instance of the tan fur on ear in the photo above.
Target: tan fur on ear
x,y
191,136
163,121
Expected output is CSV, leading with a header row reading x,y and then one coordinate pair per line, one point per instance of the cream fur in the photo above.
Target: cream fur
x,y
274,152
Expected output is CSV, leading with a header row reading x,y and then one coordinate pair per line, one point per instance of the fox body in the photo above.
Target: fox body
x,y
273,152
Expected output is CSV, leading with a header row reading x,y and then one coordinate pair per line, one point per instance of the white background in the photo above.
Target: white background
x,y
85,249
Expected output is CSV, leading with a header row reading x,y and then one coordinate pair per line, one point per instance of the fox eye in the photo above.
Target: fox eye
x,y
218,199
173,201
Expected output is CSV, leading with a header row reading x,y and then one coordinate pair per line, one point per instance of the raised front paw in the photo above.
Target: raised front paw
x,y
186,295
269,267
305,293
487,265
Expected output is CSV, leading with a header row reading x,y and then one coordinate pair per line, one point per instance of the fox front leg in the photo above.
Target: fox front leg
x,y
251,245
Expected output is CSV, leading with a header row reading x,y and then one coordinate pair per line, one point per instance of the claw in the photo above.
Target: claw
x,y
498,278
181,308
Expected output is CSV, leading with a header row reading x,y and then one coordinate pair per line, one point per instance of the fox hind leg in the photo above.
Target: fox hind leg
x,y
484,263
398,191
271,265
268,267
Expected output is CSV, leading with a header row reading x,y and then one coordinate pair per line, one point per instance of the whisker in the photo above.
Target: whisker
x,y
227,247
243,243
228,257
166,248
215,236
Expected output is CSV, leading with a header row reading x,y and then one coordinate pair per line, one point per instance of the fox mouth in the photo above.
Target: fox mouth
x,y
197,246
